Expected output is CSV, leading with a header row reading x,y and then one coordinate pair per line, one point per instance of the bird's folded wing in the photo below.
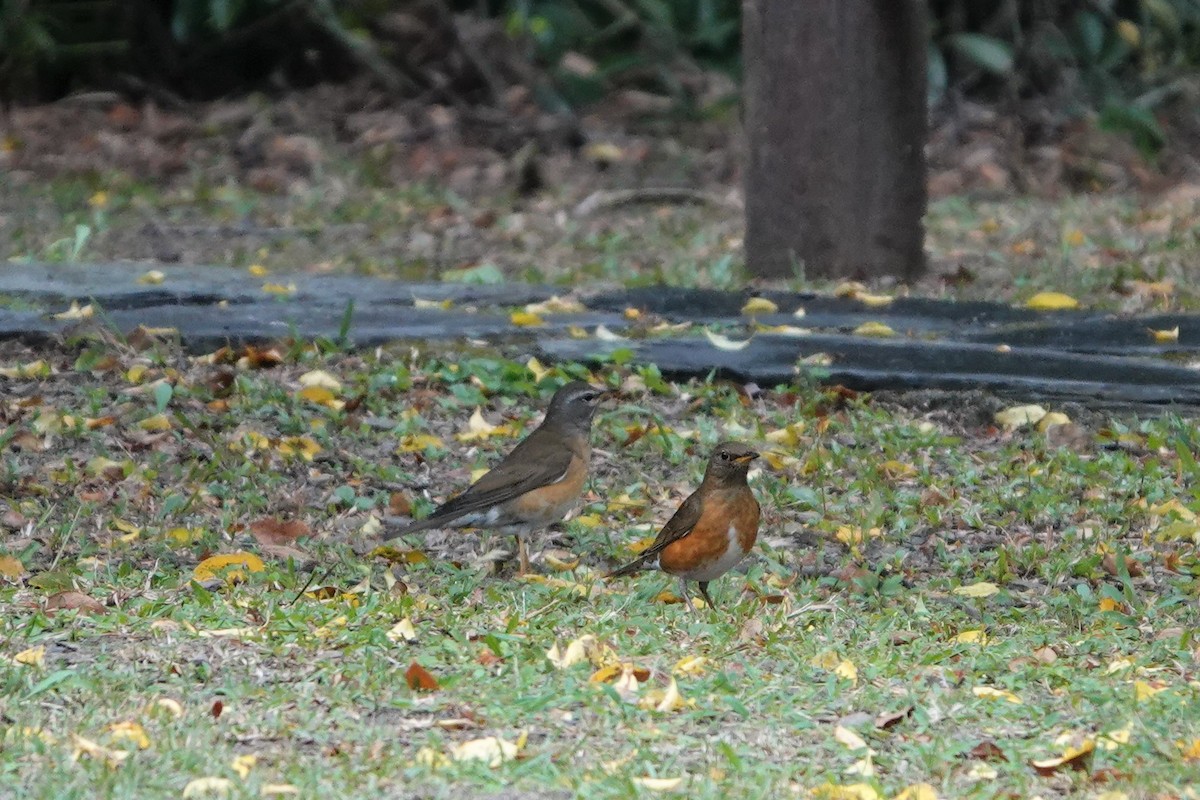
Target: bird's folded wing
x,y
678,526
521,471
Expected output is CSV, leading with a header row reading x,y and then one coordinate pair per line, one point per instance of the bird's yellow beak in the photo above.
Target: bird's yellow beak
x,y
746,459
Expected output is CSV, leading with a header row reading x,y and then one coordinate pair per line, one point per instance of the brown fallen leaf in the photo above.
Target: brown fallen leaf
x,y
400,504
13,519
273,531
1112,565
420,679
987,750
77,600
887,719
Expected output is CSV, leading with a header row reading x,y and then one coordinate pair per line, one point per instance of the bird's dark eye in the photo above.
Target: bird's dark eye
x,y
590,397
724,456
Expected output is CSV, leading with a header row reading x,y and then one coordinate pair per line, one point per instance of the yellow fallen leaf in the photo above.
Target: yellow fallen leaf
x,y
440,305
1051,301
863,767
578,332
917,791
849,738
897,469
847,671
131,731
586,648
873,300
126,527
759,305
31,657
691,665
852,535
86,748
258,270
980,771
993,693
604,152
789,435
972,637
403,631
524,319
659,784
1070,756
11,567
419,443
479,428
1165,336
303,446
849,791
722,342
627,685
783,330
243,764
155,423
153,278
278,790
556,305
1051,419
279,289
492,750
1074,237
874,329
1019,416
1119,665
210,786
1189,751
319,377
539,370
1114,739
322,396
559,563
75,312
1143,690
33,369
1108,604
228,564
826,660
170,706
665,701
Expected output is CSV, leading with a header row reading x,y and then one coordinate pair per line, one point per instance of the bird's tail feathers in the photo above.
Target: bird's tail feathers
x,y
414,527
628,569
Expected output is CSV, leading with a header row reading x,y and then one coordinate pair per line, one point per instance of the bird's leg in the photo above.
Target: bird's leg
x,y
704,593
683,590
522,555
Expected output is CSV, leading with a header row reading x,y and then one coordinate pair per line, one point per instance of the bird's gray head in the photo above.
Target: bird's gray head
x,y
574,405
729,462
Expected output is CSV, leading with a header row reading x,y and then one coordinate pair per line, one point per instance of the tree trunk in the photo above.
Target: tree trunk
x,y
835,122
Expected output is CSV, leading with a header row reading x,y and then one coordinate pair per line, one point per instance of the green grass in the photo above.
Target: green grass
x,y
1095,605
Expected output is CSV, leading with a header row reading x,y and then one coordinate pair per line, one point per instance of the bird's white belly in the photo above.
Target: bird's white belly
x,y
731,558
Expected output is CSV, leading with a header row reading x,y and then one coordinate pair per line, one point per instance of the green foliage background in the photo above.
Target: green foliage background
x,y
1120,58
